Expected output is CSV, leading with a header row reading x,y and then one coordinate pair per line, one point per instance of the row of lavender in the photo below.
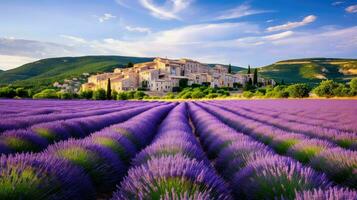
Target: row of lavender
x,y
231,164
337,163
86,168
38,113
254,170
345,139
39,136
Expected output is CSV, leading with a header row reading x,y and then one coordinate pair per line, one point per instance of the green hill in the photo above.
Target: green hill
x,y
234,68
45,72
312,70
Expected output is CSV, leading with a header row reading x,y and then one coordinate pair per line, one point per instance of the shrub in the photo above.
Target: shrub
x,y
353,85
139,95
122,96
326,88
86,94
7,92
65,95
212,95
197,95
341,91
46,94
21,92
298,90
99,94
248,94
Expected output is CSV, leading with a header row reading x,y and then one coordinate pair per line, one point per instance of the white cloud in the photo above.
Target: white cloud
x,y
74,39
279,35
205,33
336,3
138,29
9,61
291,25
240,11
352,9
106,17
169,10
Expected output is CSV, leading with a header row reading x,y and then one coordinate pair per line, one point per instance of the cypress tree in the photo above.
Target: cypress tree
x,y
255,77
249,69
229,69
109,90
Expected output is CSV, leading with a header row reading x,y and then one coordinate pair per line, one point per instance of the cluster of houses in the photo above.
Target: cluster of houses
x,y
71,85
165,75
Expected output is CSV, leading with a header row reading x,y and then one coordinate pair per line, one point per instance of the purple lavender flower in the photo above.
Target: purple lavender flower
x,y
333,193
308,148
30,176
168,175
103,166
276,177
21,141
339,164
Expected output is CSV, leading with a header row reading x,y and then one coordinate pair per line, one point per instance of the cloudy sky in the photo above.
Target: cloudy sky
x,y
254,32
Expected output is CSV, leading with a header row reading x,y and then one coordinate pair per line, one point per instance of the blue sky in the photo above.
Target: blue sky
x,y
254,32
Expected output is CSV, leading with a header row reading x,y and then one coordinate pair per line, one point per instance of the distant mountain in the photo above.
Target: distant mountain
x,y
45,72
311,70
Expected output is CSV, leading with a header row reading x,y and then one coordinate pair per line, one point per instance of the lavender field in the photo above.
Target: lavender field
x,y
263,149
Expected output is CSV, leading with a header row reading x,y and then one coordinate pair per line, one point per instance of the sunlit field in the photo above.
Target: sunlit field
x,y
256,149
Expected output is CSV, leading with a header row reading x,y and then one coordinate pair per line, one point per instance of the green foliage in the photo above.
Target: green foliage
x,y
109,90
65,95
139,95
255,77
130,65
353,85
229,68
326,88
341,91
122,96
87,94
43,73
310,71
183,83
99,94
248,94
298,90
249,72
21,92
197,94
46,94
7,92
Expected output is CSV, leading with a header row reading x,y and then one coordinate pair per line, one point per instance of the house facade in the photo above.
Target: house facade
x,y
164,75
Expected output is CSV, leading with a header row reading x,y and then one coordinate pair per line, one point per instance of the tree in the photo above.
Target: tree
x,y
139,95
326,88
86,94
130,64
298,90
122,96
109,90
183,83
353,86
7,92
229,68
197,94
99,94
255,77
249,72
21,92
46,94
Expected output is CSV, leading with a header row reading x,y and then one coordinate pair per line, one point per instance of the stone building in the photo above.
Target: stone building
x,y
164,75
